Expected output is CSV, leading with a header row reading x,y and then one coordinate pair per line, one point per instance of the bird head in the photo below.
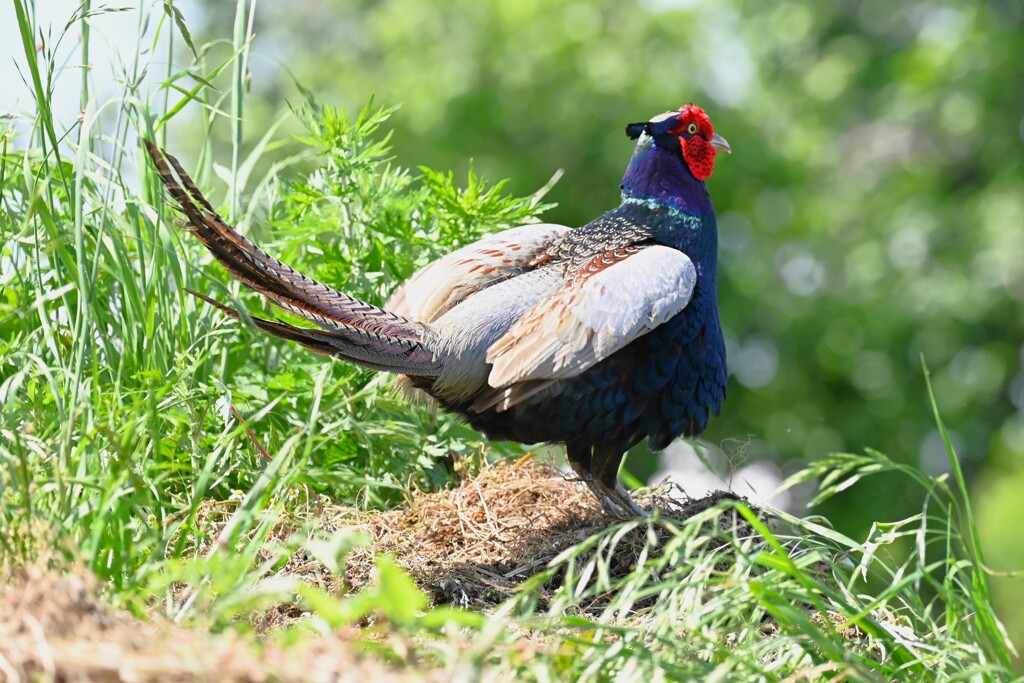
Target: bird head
x,y
687,132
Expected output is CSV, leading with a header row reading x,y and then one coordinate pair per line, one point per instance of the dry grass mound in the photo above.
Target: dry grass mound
x,y
474,545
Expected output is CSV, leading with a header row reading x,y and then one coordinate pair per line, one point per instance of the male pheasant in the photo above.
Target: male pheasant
x,y
594,337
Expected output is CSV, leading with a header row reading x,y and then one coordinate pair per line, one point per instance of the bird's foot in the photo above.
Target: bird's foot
x,y
614,501
610,506
624,501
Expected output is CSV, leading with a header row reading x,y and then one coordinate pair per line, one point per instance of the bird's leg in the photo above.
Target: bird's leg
x,y
605,469
580,460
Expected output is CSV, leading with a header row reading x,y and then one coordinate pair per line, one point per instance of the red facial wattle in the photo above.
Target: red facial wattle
x,y
698,152
699,155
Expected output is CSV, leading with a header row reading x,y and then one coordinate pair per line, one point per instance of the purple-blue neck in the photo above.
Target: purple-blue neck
x,y
660,175
658,178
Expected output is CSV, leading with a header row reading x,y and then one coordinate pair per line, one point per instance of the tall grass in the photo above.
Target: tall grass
x,y
120,392
128,410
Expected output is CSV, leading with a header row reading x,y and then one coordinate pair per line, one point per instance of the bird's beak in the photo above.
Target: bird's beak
x,y
721,143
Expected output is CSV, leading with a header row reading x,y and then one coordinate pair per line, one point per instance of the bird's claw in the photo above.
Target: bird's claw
x,y
625,506
614,501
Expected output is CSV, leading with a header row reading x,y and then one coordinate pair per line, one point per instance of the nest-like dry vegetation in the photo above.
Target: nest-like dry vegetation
x,y
474,545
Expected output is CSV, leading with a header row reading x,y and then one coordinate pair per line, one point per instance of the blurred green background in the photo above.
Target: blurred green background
x,y
872,213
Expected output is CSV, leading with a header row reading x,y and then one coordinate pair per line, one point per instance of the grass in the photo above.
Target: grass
x,y
130,411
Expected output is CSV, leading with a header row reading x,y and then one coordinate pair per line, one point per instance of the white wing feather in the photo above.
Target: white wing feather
x,y
591,319
440,285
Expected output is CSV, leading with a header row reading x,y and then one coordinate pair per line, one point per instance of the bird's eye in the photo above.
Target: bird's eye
x,y
692,129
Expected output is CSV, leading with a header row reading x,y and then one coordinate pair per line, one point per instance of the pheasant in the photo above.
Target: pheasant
x,y
594,337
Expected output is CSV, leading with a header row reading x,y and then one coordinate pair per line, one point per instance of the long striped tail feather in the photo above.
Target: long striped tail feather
x,y
375,352
352,329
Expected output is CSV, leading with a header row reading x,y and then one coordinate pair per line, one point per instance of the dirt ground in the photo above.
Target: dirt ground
x,y
470,546
53,628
